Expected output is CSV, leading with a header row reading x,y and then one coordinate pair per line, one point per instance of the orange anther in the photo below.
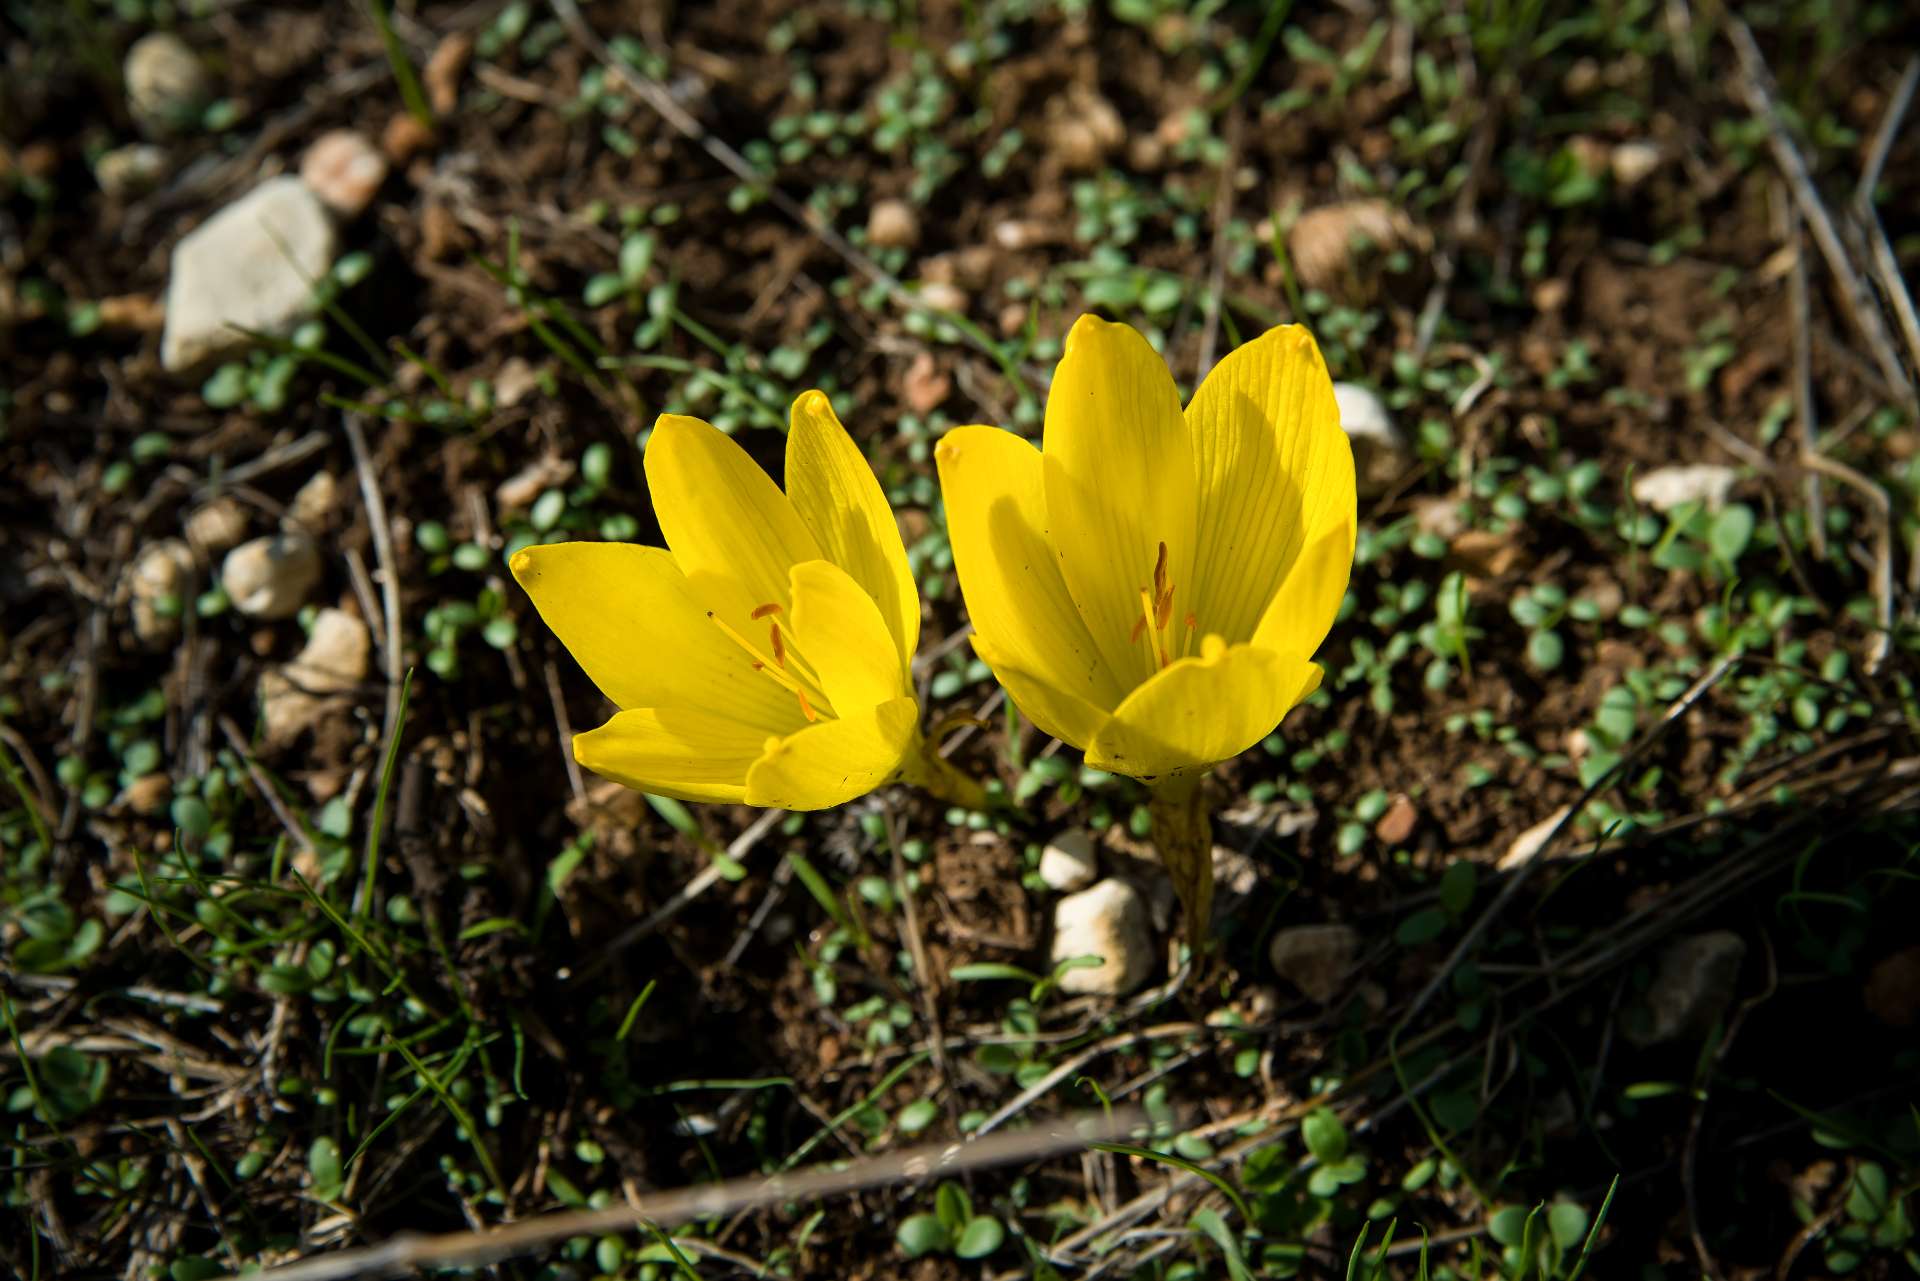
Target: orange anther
x,y
764,611
779,646
805,706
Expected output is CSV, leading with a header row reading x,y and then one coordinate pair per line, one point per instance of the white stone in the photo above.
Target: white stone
x,y
1069,863
1108,921
1692,987
333,662
251,265
166,82
1666,488
1364,415
1633,163
157,584
130,170
1315,958
217,526
344,169
271,577
892,224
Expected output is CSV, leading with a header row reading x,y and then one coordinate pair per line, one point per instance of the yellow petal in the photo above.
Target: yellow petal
x,y
1119,483
1302,611
840,502
1066,716
731,529
1203,710
834,761
620,608
683,752
993,486
1277,500
838,631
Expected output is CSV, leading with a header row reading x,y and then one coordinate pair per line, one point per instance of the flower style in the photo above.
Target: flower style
x,y
766,657
1151,585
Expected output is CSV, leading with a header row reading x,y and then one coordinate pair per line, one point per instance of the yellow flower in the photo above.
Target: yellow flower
x,y
766,657
1152,586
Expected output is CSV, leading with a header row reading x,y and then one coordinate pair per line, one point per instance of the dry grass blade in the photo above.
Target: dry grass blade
x,y
1756,84
458,1249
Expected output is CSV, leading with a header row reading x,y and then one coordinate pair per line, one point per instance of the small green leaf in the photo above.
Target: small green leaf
x,y
323,1165
981,1237
922,1234
1732,531
1424,926
1325,1136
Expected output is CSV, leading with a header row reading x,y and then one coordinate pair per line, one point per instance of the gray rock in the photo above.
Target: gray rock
x,y
167,84
1315,958
1069,863
251,265
1108,921
1691,989
272,577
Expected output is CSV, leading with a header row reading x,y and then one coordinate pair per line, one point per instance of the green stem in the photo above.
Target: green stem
x,y
925,768
1183,834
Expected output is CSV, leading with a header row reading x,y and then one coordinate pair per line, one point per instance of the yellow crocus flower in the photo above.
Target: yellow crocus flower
x,y
766,657
1150,585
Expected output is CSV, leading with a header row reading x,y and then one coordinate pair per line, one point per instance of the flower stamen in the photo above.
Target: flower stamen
x,y
775,668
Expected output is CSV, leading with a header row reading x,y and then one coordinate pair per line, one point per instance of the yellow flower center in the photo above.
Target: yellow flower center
x,y
788,668
1156,612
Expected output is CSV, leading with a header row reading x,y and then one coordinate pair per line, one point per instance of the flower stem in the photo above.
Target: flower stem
x,y
925,768
1183,833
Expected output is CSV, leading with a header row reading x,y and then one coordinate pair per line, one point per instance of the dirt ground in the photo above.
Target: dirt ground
x,y
277,989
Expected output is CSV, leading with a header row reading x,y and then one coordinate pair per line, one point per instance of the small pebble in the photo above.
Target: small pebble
x,y
1692,987
1108,921
1632,163
1397,824
148,794
217,526
1315,958
313,506
443,70
130,170
404,138
944,297
926,386
344,169
892,224
1322,241
1666,488
158,585
333,661
167,84
272,577
1069,862
1379,450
